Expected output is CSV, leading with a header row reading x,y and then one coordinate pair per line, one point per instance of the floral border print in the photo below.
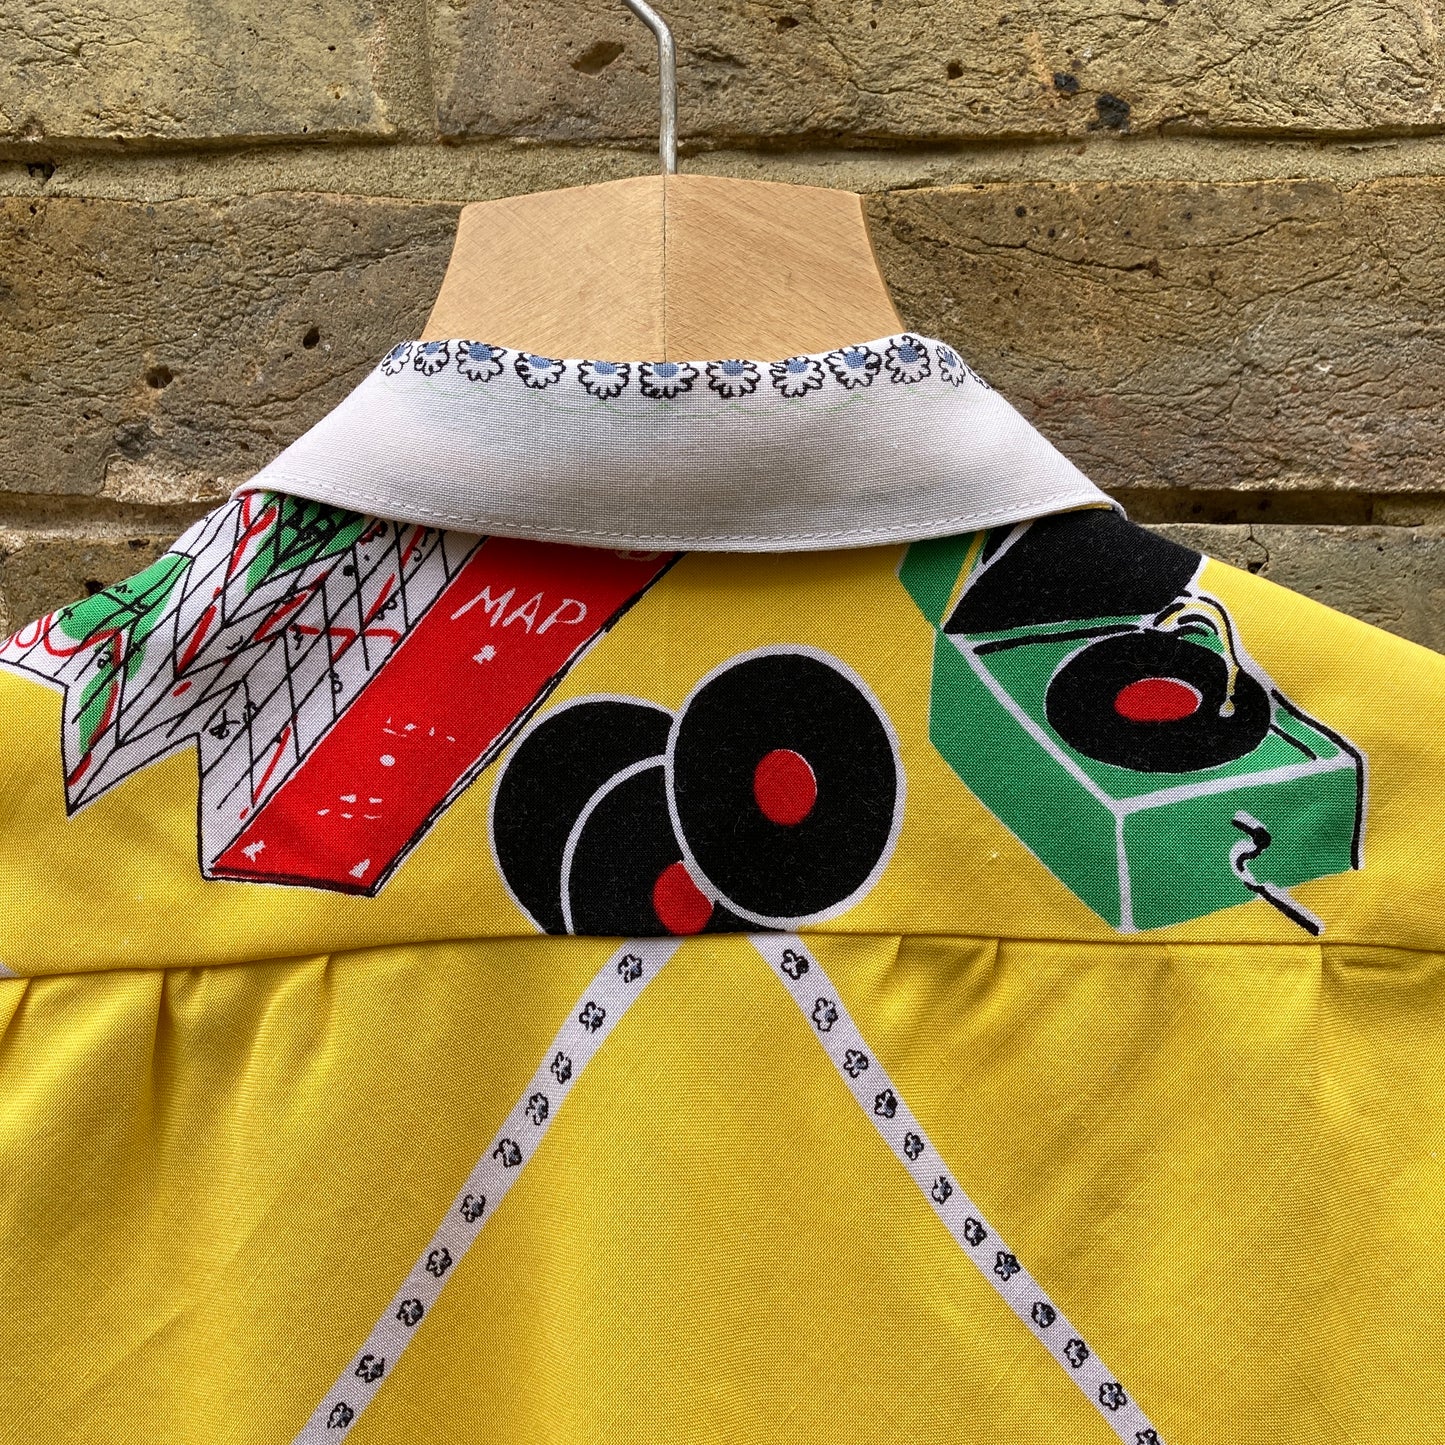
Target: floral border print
x,y
901,360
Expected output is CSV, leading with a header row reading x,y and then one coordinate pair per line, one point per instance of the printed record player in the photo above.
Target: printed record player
x,y
1102,707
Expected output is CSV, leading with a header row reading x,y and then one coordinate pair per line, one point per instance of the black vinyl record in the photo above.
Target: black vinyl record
x,y
1073,567
1156,702
553,772
785,785
626,876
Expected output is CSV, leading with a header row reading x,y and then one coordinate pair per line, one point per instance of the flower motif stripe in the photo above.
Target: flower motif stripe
x,y
904,360
604,379
431,356
663,380
854,365
590,1022
538,371
797,376
803,976
733,378
477,361
620,980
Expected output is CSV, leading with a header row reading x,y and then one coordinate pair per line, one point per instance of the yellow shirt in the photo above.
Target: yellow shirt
x,y
976,987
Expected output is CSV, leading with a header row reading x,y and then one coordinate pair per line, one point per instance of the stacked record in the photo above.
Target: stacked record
x,y
771,798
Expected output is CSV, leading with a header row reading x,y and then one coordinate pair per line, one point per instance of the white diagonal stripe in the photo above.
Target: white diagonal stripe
x,y
592,1019
813,992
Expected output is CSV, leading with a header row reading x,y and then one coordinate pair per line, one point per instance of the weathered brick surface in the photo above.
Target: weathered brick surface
x,y
39,573
1273,335
564,69
170,69
1224,327
480,170
175,348
1282,334
1390,577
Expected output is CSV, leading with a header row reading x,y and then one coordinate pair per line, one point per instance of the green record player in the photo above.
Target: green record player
x,y
1101,707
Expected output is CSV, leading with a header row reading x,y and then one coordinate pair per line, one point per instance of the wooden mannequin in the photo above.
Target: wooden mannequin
x,y
666,267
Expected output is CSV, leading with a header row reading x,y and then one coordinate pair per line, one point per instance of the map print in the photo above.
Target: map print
x,y
342,678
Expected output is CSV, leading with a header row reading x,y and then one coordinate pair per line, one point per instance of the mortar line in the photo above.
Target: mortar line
x,y
452,174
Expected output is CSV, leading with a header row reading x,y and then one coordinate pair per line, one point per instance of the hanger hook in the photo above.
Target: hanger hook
x,y
667,77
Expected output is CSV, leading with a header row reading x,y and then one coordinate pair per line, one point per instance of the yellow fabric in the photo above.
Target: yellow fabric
x,y
234,1113
957,869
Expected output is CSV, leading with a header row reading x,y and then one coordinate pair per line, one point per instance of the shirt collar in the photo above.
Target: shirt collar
x,y
891,440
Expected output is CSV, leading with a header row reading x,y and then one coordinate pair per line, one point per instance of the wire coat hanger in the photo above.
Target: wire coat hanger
x,y
667,81
665,266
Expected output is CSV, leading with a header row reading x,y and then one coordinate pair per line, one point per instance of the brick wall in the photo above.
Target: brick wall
x,y
1198,243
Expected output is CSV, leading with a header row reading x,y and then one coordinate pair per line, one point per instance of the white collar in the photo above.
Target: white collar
x,y
891,440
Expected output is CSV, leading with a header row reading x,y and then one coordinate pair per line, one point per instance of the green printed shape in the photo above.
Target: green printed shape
x,y
1024,673
93,703
1142,849
1114,836
1027,789
135,605
304,532
131,610
929,572
1178,854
